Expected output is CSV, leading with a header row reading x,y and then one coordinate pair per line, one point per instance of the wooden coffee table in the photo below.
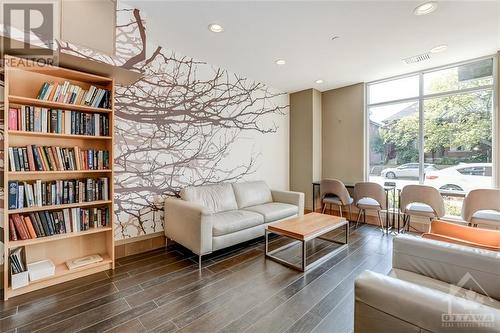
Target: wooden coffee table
x,y
303,229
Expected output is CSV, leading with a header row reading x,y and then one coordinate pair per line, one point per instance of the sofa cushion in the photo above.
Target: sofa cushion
x,y
216,198
252,193
274,211
235,220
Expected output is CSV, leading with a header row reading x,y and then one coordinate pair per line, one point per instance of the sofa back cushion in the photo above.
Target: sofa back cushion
x,y
216,198
252,193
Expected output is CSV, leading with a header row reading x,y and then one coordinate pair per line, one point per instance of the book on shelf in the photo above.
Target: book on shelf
x,y
53,158
57,192
73,94
17,264
48,223
44,120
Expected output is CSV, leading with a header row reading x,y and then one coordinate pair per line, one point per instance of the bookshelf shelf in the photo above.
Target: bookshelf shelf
x,y
58,207
23,82
40,240
69,172
57,135
54,105
63,274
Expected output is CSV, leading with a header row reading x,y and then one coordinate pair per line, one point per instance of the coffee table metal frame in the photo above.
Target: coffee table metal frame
x,y
304,266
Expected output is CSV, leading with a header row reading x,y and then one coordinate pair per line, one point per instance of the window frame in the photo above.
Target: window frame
x,y
421,99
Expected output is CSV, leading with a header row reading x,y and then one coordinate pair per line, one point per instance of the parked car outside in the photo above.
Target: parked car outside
x,y
461,178
408,170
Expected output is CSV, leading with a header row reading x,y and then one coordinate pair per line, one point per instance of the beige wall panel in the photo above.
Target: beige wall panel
x,y
301,143
343,134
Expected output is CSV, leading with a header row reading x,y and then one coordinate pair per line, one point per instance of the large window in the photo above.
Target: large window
x,y
434,127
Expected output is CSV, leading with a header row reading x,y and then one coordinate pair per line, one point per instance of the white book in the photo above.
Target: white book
x,y
20,196
67,122
39,192
64,90
96,125
23,118
57,93
43,120
11,159
37,121
67,220
88,100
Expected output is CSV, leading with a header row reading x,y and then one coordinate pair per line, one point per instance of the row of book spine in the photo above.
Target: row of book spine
x,y
43,120
48,223
74,94
57,192
53,158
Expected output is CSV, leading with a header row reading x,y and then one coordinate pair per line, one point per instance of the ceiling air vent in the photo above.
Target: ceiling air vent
x,y
417,58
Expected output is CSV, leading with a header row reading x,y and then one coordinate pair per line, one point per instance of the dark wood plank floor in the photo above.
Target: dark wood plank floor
x,y
236,291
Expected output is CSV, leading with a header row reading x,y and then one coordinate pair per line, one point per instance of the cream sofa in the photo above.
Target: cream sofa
x,y
212,217
434,286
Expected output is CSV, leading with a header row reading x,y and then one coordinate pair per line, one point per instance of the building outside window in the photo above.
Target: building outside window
x,y
434,127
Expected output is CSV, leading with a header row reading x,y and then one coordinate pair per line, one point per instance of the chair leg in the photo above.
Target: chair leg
x,y
359,216
350,214
324,208
340,210
199,262
380,220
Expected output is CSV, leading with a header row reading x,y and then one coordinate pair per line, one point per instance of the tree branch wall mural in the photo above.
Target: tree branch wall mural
x,y
179,125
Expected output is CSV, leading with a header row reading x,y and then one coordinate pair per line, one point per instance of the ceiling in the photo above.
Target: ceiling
x,y
374,37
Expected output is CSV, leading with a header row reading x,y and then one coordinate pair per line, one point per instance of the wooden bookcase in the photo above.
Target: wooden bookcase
x,y
23,80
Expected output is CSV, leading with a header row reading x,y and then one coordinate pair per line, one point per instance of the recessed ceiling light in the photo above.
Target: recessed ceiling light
x,y
439,48
319,81
214,27
425,8
280,62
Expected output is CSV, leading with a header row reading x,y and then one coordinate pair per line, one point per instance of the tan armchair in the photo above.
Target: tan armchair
x,y
369,196
482,206
421,200
334,192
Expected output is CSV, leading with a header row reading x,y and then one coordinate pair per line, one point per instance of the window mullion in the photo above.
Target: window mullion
x,y
421,128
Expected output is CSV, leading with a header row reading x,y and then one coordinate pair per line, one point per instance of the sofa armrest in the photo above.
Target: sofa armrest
x,y
290,197
471,268
411,303
460,241
189,224
482,237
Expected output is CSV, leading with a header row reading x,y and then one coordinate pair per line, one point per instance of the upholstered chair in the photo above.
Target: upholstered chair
x,y
334,192
420,200
482,206
369,196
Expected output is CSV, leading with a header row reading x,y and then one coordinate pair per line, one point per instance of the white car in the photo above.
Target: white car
x,y
462,177
408,170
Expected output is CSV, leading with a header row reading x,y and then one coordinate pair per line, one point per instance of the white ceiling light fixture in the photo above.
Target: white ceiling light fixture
x,y
439,48
280,62
319,81
425,8
214,27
